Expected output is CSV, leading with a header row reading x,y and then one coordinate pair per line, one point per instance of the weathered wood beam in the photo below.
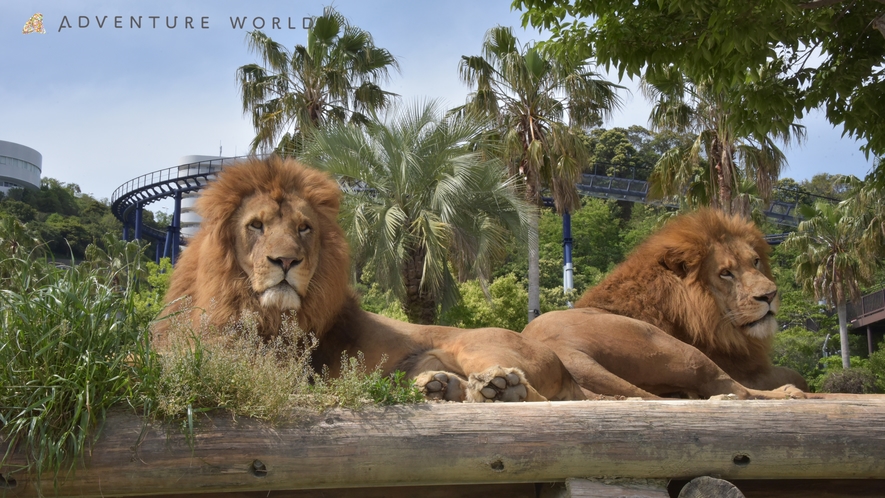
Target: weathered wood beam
x,y
616,488
434,444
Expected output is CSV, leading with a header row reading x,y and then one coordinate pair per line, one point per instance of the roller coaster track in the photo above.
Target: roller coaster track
x,y
128,199
162,184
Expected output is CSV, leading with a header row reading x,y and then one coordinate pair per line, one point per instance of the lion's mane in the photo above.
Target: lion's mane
x,y
662,283
208,270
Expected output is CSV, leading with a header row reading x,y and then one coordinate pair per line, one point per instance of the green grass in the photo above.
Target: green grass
x,y
68,350
236,371
75,341
270,380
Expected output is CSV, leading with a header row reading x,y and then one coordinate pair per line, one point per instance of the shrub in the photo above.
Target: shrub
x,y
234,370
149,298
850,380
877,366
508,307
799,349
355,387
833,365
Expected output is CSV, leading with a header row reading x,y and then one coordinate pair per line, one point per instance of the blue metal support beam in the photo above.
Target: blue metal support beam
x,y
167,245
567,268
176,227
139,210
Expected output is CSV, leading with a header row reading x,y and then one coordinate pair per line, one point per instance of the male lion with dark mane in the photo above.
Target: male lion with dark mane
x,y
690,312
270,245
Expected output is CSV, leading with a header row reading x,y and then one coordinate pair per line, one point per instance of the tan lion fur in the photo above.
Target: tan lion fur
x,y
208,271
661,283
264,221
703,279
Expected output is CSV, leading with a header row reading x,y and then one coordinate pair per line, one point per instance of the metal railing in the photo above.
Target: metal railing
x,y
605,181
172,175
866,306
164,183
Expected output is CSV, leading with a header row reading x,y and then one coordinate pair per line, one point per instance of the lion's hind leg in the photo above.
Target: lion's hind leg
x,y
440,385
500,384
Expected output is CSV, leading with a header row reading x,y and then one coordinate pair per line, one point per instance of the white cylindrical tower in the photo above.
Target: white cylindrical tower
x,y
190,165
20,166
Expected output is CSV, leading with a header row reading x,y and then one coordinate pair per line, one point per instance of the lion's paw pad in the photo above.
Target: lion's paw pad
x,y
443,386
497,384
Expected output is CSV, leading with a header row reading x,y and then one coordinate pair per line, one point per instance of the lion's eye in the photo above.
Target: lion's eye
x,y
725,274
256,224
757,263
303,228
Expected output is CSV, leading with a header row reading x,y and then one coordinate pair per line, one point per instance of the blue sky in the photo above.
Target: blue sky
x,y
105,105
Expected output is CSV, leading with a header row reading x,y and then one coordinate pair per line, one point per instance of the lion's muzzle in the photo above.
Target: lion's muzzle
x,y
281,296
285,263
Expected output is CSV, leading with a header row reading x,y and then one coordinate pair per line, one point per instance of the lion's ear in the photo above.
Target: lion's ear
x,y
674,265
323,194
678,261
327,203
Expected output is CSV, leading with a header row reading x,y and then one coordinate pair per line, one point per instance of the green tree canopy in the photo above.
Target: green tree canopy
x,y
64,218
785,56
726,166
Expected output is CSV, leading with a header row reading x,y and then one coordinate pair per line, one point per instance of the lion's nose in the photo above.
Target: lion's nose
x,y
285,263
768,298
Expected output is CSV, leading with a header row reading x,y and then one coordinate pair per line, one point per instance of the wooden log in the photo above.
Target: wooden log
x,y
435,444
519,490
800,488
616,488
710,487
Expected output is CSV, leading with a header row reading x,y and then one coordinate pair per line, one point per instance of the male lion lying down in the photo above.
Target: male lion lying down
x,y
690,312
270,243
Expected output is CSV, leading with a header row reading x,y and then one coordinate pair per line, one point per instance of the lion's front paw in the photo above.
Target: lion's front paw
x,y
724,397
498,384
791,391
788,391
438,385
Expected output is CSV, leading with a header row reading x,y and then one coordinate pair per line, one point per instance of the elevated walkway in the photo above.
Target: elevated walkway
x,y
130,199
627,187
868,315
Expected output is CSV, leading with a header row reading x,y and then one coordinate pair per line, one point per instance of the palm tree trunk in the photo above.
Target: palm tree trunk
x,y
841,311
717,155
534,269
419,306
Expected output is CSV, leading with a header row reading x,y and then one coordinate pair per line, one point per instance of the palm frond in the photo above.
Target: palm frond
x,y
430,191
335,77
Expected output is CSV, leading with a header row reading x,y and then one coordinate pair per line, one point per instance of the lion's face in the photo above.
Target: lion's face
x,y
277,246
269,244
735,274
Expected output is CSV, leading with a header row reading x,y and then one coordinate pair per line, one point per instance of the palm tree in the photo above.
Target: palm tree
x,y
334,78
723,156
830,264
866,205
423,199
539,105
